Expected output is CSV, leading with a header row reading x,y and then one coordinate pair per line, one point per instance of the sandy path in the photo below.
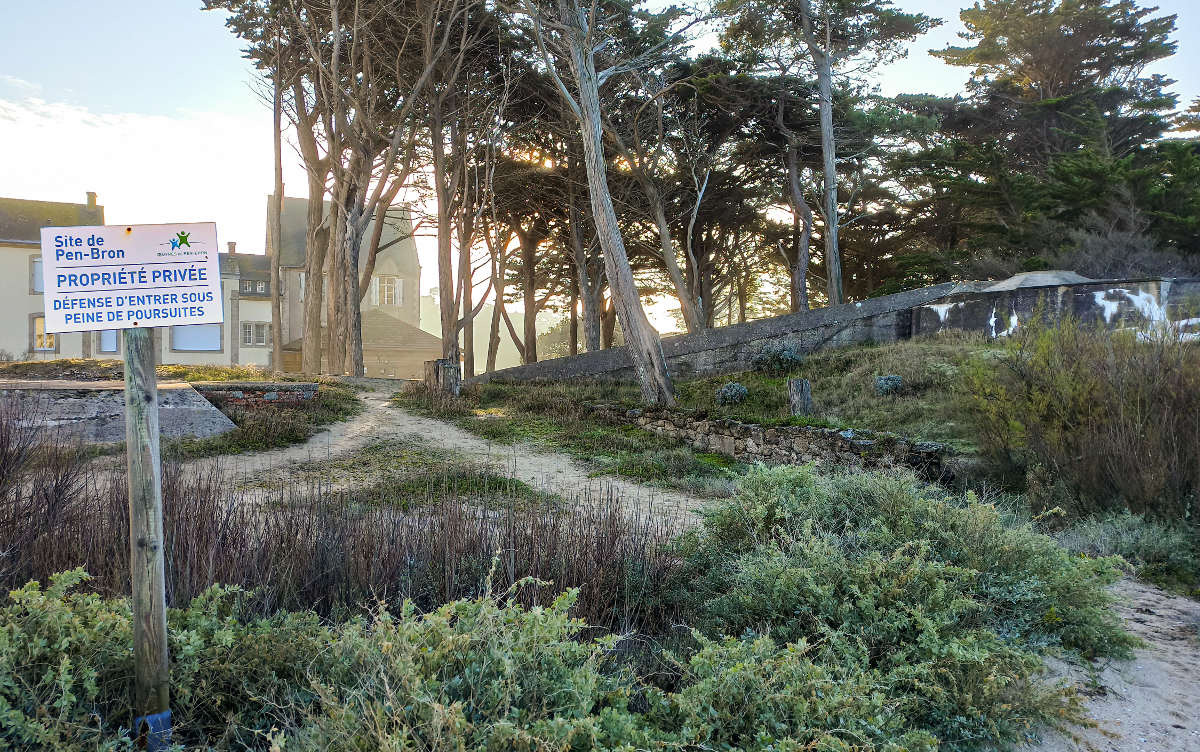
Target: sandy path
x,y
1152,703
550,471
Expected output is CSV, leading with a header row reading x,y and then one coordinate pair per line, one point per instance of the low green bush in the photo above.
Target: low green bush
x,y
732,393
930,594
777,358
1167,554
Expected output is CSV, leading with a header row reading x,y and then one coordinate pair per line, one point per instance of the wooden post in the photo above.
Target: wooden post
x,y
800,396
151,675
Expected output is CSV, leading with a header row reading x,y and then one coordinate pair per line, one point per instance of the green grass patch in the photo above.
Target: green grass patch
x,y
271,426
927,407
408,473
552,416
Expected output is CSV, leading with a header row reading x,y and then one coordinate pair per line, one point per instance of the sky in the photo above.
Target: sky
x,y
150,104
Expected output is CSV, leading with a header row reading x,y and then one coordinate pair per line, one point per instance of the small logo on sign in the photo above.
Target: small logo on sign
x,y
180,240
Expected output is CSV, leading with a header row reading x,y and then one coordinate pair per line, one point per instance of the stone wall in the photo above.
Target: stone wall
x,y
256,393
787,445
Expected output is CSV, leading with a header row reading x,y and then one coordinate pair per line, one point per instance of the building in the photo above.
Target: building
x,y
24,331
393,342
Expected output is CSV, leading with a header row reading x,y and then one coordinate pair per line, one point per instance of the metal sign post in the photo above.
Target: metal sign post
x,y
133,278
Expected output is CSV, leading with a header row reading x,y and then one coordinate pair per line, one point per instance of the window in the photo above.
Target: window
x,y
256,334
43,341
389,292
196,338
108,341
35,274
262,287
300,291
247,285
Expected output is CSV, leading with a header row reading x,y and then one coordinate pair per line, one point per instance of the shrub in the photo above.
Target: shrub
x,y
930,594
1166,554
1112,417
888,385
732,393
777,358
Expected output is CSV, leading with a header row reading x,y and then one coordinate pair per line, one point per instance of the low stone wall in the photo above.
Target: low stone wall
x,y
94,412
256,393
787,445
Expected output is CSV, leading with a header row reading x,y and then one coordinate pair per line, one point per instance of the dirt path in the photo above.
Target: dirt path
x,y
1152,703
550,471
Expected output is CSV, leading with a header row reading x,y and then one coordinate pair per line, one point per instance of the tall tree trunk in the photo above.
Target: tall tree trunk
x,y
275,235
573,330
529,246
335,317
352,364
446,297
802,221
316,237
642,341
499,271
589,289
608,320
468,320
693,317
833,259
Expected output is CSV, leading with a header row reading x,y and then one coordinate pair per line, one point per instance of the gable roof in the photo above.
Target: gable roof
x,y
21,220
382,331
396,242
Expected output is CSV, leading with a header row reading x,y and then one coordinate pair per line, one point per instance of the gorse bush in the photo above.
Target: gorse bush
x,y
1111,419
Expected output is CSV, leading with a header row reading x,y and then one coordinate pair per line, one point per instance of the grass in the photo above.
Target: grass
x,y
927,407
843,387
554,417
270,427
410,473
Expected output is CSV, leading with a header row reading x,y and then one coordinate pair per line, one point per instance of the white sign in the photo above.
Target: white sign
x,y
122,276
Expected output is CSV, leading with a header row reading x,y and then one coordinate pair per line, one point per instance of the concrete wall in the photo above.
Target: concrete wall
x,y
1140,304
95,411
1119,304
729,349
